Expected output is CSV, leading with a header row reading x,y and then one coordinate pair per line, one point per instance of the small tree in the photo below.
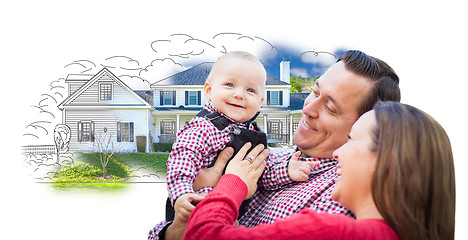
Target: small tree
x,y
104,145
62,135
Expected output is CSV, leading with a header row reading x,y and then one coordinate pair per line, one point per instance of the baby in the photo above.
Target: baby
x,y
235,90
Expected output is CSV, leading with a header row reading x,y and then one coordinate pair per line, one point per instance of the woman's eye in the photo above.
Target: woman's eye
x,y
316,93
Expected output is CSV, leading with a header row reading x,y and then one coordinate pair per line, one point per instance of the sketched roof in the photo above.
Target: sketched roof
x,y
78,77
91,81
197,75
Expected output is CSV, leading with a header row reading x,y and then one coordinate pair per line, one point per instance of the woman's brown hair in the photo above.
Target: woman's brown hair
x,y
414,181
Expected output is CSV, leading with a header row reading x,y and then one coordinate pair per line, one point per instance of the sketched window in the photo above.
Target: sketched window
x,y
124,131
105,91
85,131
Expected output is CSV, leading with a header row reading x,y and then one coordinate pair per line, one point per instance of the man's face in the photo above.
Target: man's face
x,y
330,111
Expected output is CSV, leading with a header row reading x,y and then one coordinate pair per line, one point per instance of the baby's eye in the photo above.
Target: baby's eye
x,y
229,85
251,90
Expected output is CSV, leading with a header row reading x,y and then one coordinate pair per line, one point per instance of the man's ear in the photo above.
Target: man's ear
x,y
208,91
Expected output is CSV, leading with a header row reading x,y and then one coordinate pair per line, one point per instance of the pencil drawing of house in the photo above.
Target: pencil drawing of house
x,y
103,104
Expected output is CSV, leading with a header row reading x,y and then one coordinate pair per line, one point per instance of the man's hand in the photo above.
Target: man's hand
x,y
184,205
209,177
300,170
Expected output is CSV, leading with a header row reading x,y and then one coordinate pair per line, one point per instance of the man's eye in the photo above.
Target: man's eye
x,y
331,110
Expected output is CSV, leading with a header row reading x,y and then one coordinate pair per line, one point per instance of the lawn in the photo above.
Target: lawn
x,y
87,172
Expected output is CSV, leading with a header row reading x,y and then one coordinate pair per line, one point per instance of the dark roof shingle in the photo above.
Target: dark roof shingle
x,y
197,75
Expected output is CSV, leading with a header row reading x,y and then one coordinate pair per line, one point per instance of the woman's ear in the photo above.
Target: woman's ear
x,y
207,90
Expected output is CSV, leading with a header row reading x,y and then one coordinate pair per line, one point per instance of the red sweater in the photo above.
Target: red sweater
x,y
213,218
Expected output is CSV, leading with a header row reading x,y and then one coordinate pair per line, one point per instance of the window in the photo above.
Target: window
x,y
275,127
192,97
124,131
85,131
275,98
105,91
167,98
168,127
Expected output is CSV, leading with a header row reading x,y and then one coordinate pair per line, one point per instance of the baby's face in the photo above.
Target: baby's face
x,y
237,88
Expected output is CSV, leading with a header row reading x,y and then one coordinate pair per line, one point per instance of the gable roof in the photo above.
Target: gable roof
x,y
197,75
93,80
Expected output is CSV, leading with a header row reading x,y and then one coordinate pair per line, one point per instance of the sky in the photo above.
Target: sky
x,y
43,41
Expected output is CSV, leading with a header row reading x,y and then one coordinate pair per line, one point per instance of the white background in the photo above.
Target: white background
x,y
426,43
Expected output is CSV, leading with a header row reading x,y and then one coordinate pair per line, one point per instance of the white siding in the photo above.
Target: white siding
x,y
119,94
106,119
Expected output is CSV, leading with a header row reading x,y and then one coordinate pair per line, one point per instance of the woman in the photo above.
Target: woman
x,y
396,174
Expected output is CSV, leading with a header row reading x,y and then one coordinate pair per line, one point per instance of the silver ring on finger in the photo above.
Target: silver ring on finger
x,y
249,158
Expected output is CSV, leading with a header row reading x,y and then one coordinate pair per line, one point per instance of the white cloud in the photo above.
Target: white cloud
x,y
160,69
299,72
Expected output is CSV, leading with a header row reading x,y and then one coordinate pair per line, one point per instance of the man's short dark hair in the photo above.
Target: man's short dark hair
x,y
383,78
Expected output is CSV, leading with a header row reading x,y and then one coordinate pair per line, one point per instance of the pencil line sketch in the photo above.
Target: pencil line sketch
x,y
136,103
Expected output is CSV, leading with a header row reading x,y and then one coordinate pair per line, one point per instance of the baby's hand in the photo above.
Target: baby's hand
x,y
299,171
184,205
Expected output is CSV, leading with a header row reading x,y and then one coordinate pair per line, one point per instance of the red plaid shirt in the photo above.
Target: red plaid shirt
x,y
195,148
269,204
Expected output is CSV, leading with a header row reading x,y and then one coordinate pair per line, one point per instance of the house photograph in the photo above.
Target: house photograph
x,y
103,106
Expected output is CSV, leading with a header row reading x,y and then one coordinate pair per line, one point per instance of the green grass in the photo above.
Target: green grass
x,y
87,172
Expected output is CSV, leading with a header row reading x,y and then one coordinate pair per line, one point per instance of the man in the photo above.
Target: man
x,y
348,89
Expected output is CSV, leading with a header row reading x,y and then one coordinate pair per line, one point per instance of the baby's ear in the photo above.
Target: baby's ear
x,y
207,91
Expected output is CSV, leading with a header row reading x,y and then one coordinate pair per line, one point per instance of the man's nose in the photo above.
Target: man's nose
x,y
311,107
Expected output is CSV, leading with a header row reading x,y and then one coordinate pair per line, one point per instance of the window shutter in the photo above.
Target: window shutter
x,y
161,98
92,131
119,132
80,132
173,97
131,131
199,98
280,98
268,97
186,98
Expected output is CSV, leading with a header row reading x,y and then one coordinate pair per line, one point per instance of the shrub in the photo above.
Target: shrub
x,y
162,147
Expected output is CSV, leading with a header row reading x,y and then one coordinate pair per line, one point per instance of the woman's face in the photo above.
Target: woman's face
x,y
356,164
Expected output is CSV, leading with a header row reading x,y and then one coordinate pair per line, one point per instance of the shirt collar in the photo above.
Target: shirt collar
x,y
209,106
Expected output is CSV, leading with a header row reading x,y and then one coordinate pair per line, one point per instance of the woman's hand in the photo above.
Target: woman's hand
x,y
249,170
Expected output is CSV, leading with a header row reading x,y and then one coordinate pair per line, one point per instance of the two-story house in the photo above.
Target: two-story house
x,y
178,98
102,105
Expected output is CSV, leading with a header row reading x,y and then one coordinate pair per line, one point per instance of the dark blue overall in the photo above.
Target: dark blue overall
x,y
239,137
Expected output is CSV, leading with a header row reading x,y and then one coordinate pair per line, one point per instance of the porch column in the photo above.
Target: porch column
x,y
291,130
177,123
265,129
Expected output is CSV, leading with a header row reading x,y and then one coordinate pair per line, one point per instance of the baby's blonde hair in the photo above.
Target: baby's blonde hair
x,y
238,54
